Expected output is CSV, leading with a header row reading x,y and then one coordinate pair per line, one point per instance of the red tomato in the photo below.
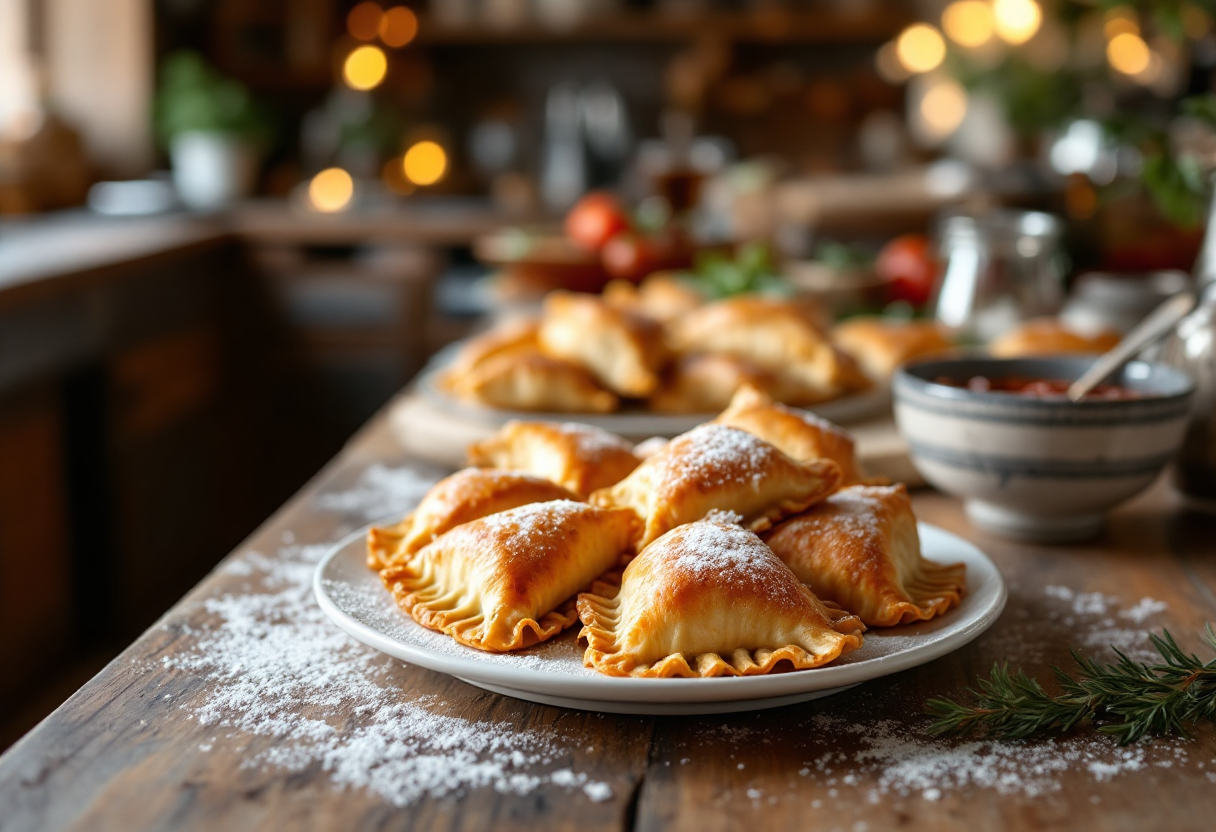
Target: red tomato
x,y
629,256
907,262
594,220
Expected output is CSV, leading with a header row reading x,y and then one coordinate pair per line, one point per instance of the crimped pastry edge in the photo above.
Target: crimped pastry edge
x,y
598,614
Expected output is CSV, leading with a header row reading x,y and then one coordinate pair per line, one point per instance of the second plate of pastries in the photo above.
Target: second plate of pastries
x,y
655,359
747,563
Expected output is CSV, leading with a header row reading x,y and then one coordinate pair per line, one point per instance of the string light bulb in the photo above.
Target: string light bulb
x,y
920,48
398,27
1016,21
943,107
969,23
365,68
331,190
1128,53
425,163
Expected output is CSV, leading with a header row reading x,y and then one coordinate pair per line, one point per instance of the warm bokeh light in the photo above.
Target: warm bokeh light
x,y
398,26
1128,53
425,163
331,190
1016,20
365,68
943,107
364,21
968,22
920,48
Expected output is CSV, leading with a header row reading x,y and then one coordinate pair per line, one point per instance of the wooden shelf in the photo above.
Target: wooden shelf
x,y
819,27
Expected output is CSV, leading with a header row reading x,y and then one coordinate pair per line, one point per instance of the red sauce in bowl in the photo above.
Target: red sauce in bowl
x,y
1039,388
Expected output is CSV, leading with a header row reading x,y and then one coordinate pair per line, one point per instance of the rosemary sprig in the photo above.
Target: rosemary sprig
x,y
1133,700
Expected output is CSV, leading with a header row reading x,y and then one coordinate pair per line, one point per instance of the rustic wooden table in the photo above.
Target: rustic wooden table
x,y
244,709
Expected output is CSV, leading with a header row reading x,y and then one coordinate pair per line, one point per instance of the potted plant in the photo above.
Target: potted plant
x,y
210,127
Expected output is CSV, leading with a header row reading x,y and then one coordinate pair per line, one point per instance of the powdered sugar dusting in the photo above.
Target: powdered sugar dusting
x,y
903,763
727,555
854,511
714,455
1097,621
381,491
854,761
277,668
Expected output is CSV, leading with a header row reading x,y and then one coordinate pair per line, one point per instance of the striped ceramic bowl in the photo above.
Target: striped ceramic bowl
x,y
1039,469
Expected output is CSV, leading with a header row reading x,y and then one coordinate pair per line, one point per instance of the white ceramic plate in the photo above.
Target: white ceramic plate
x,y
553,674
632,424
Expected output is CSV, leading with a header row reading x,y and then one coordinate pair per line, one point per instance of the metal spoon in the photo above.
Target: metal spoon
x,y
1162,319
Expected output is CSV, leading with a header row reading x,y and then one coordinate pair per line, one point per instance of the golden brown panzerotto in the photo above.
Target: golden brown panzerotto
x,y
581,458
1050,336
508,581
524,378
800,435
504,337
464,496
717,467
777,335
710,599
859,549
704,383
881,345
624,351
662,296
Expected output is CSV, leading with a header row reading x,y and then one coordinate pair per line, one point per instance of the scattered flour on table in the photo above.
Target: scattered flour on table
x,y
380,492
872,761
1097,621
278,668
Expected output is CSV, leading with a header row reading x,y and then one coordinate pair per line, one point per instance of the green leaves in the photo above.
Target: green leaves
x,y
194,97
751,270
1176,184
1131,699
1175,181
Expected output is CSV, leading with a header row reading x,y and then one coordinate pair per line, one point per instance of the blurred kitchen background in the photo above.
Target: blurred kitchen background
x,y
231,230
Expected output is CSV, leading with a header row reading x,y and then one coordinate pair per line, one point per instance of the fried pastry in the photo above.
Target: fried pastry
x,y
581,458
717,467
624,351
796,433
859,549
508,581
1050,336
478,350
523,378
663,296
461,498
880,345
710,599
701,383
779,336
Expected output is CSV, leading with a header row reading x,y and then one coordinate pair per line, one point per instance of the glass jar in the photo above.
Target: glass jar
x,y
1002,268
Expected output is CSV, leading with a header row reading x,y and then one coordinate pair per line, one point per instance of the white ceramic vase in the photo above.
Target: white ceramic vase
x,y
212,169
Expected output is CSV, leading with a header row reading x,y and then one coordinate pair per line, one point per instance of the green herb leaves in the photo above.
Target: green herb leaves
x,y
1132,700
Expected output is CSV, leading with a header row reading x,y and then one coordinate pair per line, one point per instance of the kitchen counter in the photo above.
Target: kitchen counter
x,y
244,708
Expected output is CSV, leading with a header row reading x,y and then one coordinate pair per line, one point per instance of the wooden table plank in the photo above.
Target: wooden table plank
x,y
120,755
